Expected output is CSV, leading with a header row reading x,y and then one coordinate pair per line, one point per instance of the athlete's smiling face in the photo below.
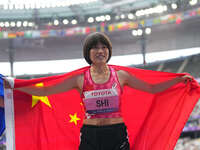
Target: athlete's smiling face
x,y
99,53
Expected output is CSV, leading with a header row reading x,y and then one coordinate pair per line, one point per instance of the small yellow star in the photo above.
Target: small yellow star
x,y
43,99
74,118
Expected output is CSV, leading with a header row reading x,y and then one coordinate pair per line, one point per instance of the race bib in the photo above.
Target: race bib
x,y
101,101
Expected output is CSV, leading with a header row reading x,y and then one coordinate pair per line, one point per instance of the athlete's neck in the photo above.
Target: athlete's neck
x,y
99,68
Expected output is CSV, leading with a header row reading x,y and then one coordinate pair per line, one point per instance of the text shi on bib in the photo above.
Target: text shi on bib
x,y
101,101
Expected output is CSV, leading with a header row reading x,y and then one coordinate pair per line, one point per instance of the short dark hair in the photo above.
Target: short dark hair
x,y
92,40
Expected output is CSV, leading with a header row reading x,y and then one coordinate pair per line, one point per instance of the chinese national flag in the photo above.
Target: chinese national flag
x,y
154,121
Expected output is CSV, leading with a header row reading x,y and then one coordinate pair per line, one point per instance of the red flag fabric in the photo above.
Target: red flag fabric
x,y
154,121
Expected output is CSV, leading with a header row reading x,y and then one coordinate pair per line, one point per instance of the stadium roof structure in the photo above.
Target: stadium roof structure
x,y
26,9
64,8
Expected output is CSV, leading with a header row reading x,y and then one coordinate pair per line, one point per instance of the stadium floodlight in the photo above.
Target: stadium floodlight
x,y
140,13
90,20
148,30
12,24
193,2
108,17
19,23
103,18
165,8
174,6
2,24
139,32
7,24
159,9
30,24
56,22
25,23
134,33
137,13
65,21
130,16
98,19
74,21
122,16
149,11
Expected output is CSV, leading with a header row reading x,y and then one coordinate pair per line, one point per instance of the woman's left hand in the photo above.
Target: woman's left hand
x,y
186,78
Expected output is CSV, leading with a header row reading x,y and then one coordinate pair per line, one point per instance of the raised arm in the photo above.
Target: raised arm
x,y
66,85
139,84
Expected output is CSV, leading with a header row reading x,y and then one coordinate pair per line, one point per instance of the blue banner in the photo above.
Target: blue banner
x,y
2,114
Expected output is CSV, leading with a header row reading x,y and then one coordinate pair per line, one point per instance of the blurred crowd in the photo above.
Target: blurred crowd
x,y
188,144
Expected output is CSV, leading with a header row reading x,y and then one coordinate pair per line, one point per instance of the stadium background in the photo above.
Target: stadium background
x,y
54,30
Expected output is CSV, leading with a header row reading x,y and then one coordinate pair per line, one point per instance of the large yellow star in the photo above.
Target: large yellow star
x,y
43,99
74,118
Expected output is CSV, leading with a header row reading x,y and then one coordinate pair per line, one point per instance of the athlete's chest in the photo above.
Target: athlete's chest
x,y
100,78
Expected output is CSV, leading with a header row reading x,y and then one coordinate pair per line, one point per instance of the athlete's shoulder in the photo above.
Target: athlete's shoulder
x,y
79,81
80,77
122,73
